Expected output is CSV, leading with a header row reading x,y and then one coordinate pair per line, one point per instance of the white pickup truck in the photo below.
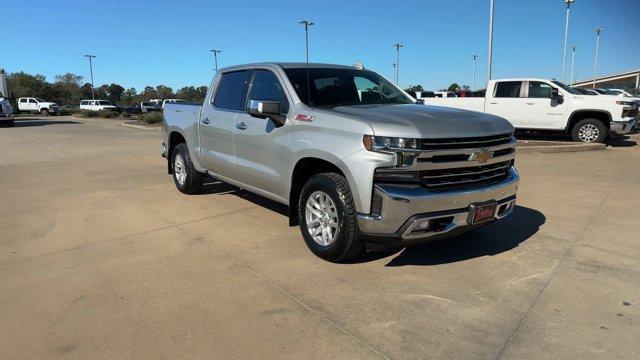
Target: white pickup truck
x,y
33,104
541,104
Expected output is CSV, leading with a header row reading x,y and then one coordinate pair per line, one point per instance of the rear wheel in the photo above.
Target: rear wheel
x,y
589,131
187,179
44,112
327,218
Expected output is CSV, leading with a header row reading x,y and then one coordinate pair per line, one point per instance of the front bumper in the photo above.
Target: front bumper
x,y
403,207
622,127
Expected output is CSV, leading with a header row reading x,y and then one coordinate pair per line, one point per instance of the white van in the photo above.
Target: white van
x,y
96,105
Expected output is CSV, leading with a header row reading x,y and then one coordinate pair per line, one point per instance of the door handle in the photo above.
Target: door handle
x,y
206,121
493,103
241,126
529,103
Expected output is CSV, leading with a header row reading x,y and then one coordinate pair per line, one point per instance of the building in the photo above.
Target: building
x,y
625,80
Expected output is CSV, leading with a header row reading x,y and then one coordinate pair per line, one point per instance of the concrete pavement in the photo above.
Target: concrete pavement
x,y
100,257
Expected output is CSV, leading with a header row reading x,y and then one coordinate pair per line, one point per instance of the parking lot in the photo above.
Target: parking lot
x,y
101,257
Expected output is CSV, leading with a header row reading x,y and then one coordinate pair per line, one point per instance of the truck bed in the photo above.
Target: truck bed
x,y
464,103
182,115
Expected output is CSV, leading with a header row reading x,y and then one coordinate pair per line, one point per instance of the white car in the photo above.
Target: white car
x,y
542,104
97,105
149,106
172,101
37,105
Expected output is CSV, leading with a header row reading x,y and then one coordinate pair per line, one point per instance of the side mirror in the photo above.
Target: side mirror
x,y
266,109
554,94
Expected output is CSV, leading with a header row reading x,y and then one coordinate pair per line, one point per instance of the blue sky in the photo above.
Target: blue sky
x,y
146,42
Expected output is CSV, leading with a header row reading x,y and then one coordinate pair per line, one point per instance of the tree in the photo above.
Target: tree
x,y
114,93
466,88
67,86
453,87
414,88
164,92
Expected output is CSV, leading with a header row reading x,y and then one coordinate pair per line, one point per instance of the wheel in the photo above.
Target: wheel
x,y
187,179
327,218
589,131
44,112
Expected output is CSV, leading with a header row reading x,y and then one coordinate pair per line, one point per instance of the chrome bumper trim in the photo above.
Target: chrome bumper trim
x,y
622,127
401,202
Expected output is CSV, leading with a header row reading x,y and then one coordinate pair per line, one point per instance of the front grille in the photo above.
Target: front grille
x,y
461,143
464,177
630,113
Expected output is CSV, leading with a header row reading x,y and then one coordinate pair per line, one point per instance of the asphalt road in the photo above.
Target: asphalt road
x,y
101,258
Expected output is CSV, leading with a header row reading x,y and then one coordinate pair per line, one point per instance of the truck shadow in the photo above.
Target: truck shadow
x,y
613,140
491,240
38,122
214,186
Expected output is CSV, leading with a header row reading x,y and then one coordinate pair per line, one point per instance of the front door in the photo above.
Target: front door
x,y
217,122
32,105
261,145
507,102
542,112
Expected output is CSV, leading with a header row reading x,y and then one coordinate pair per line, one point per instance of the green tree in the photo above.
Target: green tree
x,y
67,87
114,93
453,87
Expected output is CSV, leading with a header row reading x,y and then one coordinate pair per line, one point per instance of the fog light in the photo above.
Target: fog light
x,y
422,225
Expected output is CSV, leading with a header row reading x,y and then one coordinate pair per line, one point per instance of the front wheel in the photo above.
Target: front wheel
x,y
327,218
44,112
589,131
187,179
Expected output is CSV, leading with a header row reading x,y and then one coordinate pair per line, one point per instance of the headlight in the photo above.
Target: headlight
x,y
385,143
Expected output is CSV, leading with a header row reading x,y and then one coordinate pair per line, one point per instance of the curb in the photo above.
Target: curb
x,y
560,148
141,127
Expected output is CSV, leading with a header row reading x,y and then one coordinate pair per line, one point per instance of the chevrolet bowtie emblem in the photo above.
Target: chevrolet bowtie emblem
x,y
481,156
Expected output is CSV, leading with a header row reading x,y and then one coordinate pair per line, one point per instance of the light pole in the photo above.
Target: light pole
x,y
306,24
93,96
473,83
566,35
215,57
398,46
490,52
394,72
598,30
573,61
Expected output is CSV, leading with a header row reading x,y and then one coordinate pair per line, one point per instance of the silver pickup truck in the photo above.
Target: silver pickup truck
x,y
360,163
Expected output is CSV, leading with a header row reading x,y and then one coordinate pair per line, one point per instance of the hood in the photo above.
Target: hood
x,y
48,103
603,100
426,121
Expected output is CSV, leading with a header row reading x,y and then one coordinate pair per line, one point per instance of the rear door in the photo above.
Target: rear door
x,y
217,122
261,146
542,112
507,101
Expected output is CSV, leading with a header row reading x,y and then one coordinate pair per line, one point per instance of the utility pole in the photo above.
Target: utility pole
x,y
306,24
394,72
93,96
572,78
490,52
598,30
473,83
215,57
566,35
398,46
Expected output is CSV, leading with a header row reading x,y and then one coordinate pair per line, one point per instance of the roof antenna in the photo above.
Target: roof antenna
x,y
306,24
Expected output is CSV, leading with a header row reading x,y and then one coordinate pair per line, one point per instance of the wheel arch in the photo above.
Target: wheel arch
x,y
582,114
173,139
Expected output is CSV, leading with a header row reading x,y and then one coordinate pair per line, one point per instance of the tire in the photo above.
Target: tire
x,y
344,240
44,112
187,179
589,131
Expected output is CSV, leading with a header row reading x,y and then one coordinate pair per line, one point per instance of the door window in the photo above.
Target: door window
x,y
266,86
32,101
23,100
231,90
539,89
508,89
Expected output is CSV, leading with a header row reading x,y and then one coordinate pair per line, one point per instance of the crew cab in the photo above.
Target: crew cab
x,y
97,105
540,104
37,105
360,163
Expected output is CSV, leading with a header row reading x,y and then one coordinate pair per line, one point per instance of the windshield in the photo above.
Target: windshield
x,y
39,100
566,88
331,87
104,102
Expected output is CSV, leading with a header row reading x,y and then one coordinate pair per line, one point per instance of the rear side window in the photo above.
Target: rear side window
x,y
231,90
23,100
539,90
508,89
266,86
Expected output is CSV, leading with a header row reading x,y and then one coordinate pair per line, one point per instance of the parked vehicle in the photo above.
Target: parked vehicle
x,y
172,101
584,91
148,106
358,161
542,104
31,104
6,110
444,94
97,105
